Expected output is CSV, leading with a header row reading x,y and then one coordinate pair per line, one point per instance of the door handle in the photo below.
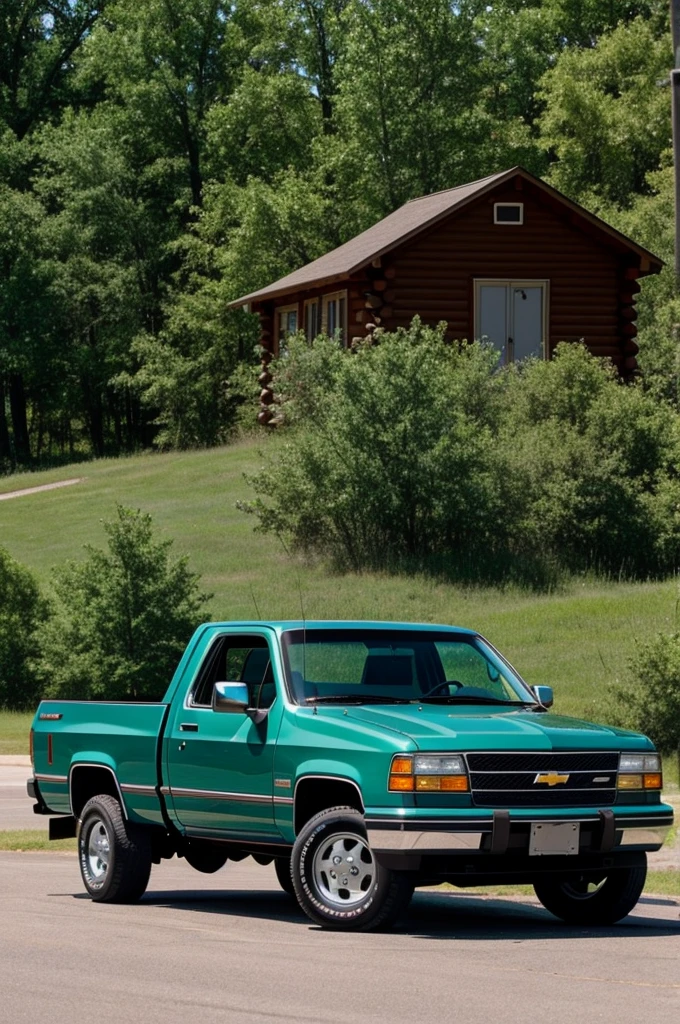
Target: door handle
x,y
189,726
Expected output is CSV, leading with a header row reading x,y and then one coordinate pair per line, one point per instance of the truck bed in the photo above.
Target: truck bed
x,y
124,737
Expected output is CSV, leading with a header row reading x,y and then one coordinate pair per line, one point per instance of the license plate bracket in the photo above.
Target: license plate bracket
x,y
554,838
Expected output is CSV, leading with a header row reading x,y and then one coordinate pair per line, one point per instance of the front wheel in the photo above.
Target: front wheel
x,y
114,854
338,882
593,900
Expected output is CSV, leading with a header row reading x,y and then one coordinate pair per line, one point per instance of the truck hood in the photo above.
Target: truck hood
x,y
451,727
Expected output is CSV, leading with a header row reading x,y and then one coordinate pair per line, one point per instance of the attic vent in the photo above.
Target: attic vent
x,y
508,213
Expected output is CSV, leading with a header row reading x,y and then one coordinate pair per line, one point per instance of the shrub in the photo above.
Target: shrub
x,y
650,701
122,617
416,453
22,608
391,462
590,466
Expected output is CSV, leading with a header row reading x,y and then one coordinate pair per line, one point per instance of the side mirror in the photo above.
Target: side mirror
x,y
233,698
544,695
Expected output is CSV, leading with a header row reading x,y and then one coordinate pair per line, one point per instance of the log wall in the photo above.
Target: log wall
x,y
590,294
592,278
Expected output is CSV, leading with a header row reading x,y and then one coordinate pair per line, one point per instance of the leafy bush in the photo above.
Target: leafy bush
x,y
22,608
416,452
589,467
122,617
394,459
650,701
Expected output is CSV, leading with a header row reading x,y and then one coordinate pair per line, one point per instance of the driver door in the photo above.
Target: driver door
x,y
219,765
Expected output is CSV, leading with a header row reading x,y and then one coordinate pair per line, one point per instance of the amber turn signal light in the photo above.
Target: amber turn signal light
x,y
653,780
441,783
630,781
401,783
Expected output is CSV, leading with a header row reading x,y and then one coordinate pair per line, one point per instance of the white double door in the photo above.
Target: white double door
x,y
512,315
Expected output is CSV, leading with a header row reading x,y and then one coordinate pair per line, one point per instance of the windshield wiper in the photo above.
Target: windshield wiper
x,y
355,698
467,699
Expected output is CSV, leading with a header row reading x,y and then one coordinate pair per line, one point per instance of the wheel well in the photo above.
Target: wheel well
x,y
316,794
88,781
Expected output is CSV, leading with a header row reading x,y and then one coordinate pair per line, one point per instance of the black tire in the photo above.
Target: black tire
x,y
114,855
282,868
373,896
204,857
593,900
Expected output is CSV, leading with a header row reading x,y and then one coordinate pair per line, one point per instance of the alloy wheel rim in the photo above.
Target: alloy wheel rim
x,y
96,855
344,870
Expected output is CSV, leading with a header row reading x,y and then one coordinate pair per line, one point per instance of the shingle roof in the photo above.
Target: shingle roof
x,y
410,219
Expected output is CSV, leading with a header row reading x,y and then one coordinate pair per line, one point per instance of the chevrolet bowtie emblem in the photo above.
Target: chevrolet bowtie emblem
x,y
551,779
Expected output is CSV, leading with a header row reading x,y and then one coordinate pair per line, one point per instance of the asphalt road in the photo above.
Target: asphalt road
x,y
231,947
16,808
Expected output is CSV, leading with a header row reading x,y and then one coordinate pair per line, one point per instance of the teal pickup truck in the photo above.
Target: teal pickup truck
x,y
362,758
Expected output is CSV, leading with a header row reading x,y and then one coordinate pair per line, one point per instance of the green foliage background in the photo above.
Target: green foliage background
x,y
158,159
415,455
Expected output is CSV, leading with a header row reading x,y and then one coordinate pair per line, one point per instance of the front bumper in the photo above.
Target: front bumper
x,y
503,833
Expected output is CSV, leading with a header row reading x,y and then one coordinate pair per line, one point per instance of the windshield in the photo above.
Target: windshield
x,y
390,666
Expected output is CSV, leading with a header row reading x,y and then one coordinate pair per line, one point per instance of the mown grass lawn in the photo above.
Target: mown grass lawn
x,y
14,729
578,640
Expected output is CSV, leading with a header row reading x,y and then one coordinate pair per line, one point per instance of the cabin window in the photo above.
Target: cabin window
x,y
312,319
286,321
508,213
334,315
513,317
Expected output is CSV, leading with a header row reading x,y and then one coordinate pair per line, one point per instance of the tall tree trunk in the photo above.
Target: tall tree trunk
x,y
95,420
17,405
5,447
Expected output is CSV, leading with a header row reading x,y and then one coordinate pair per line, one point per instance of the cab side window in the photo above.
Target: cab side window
x,y
237,659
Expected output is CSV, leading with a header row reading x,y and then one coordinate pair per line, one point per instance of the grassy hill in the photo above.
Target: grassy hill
x,y
576,640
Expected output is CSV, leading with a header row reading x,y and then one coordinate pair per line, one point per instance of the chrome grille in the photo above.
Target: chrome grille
x,y
509,780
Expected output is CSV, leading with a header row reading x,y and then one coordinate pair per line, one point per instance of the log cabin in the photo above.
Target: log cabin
x,y
507,258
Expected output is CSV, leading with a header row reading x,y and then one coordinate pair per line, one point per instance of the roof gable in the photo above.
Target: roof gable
x,y
415,217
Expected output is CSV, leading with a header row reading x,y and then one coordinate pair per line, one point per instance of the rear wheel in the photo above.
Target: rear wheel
x,y
114,854
593,899
338,882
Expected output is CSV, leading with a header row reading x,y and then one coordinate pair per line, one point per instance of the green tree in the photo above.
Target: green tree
x,y
22,610
606,120
122,617
38,44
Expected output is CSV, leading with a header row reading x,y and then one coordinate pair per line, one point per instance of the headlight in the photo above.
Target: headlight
x,y
427,773
640,771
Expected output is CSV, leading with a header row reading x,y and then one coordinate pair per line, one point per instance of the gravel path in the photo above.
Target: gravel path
x,y
42,487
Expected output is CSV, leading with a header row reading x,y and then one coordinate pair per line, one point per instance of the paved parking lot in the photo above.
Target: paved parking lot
x,y
231,947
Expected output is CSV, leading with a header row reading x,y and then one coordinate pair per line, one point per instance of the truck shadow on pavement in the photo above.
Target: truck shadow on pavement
x,y
432,915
